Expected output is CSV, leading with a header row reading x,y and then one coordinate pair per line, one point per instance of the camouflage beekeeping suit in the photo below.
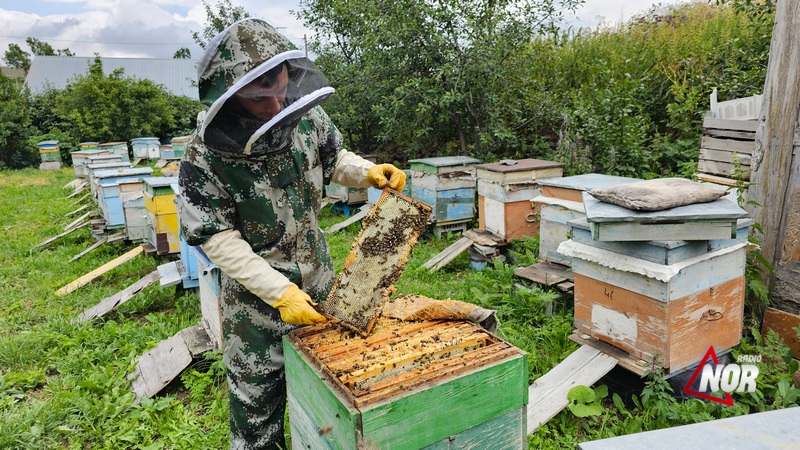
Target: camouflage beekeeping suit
x,y
250,197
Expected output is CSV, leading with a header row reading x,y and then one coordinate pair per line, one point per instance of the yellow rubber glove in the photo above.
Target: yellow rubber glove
x,y
296,307
381,175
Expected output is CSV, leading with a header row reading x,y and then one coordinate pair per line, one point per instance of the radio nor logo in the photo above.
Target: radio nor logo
x,y
723,377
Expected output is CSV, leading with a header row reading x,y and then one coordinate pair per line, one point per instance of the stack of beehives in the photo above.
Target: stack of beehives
x,y
660,284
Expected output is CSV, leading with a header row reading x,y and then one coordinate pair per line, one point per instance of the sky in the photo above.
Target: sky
x,y
158,28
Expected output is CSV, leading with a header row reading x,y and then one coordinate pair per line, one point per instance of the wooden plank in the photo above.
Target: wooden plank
x,y
362,212
54,238
80,219
728,124
136,162
86,279
483,237
80,199
716,179
545,273
448,254
156,368
775,191
728,145
730,134
548,394
572,195
721,168
725,156
76,211
783,323
625,360
386,425
109,303
80,189
104,240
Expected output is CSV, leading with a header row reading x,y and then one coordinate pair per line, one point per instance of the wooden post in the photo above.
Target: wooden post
x,y
775,172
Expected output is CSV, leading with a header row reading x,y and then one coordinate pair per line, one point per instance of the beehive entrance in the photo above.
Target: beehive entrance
x,y
398,356
376,260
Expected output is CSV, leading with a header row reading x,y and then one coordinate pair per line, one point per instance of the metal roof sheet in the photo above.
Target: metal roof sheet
x,y
178,76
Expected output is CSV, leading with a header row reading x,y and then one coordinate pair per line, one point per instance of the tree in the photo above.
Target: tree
x,y
429,76
219,17
14,153
16,57
182,53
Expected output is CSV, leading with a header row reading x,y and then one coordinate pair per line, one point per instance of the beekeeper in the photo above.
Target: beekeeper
x,y
251,186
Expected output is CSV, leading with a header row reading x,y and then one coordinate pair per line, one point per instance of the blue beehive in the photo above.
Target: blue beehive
x,y
447,184
109,193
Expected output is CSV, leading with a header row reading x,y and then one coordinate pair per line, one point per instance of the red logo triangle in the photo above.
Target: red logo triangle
x,y
710,354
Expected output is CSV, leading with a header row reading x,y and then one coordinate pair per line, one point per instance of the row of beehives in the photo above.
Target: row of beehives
x,y
666,289
142,148
453,185
141,206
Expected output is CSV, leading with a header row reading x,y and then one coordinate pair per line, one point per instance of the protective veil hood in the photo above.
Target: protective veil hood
x,y
239,55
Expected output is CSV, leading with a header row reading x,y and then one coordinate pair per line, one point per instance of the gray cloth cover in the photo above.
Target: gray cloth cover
x,y
657,194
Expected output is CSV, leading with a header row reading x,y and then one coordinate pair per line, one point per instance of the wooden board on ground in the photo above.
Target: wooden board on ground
x,y
350,220
80,219
82,187
158,367
448,254
547,396
136,162
548,274
484,237
80,199
783,323
86,279
76,211
628,362
104,240
54,238
109,303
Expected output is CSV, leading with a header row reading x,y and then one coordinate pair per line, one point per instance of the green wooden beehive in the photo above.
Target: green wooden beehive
x,y
409,385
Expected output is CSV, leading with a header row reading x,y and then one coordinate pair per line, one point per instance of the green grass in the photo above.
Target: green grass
x,y
65,385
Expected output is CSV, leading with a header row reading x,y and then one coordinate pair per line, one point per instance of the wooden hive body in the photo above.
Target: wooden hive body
x,y
162,216
562,201
108,192
145,147
673,310
116,148
447,185
131,195
92,168
80,158
410,385
344,194
49,151
505,193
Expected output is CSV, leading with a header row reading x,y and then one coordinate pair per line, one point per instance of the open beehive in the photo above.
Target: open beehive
x,y
376,260
398,387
